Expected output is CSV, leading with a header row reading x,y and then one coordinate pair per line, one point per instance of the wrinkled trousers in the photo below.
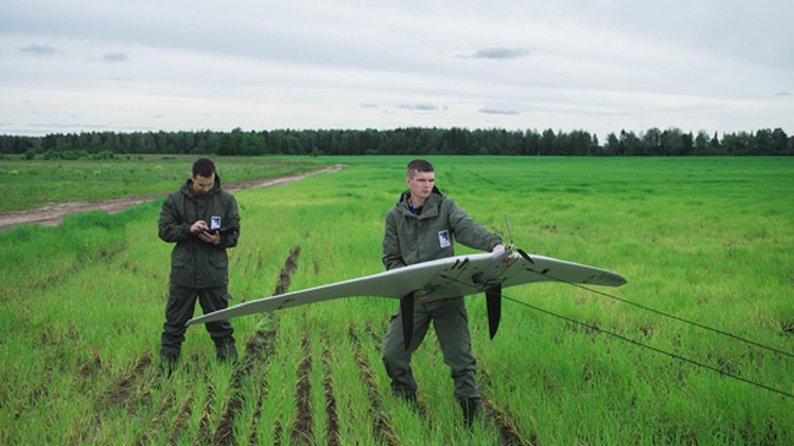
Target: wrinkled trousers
x,y
179,309
451,323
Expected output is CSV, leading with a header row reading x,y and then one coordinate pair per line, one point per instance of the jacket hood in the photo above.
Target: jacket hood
x,y
216,187
407,194
435,197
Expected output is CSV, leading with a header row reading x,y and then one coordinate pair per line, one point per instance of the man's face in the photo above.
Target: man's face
x,y
421,184
202,185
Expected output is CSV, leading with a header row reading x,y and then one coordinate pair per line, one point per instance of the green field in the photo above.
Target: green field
x,y
26,184
707,239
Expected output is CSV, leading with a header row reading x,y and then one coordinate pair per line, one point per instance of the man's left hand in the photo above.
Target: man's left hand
x,y
210,238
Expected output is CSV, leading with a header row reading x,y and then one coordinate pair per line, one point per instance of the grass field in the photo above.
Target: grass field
x,y
707,239
29,184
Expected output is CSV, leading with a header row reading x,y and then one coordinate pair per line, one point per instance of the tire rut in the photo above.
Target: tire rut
x,y
332,415
509,434
185,410
382,429
302,432
285,276
118,395
261,345
202,437
258,352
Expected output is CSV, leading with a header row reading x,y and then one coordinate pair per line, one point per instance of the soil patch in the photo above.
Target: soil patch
x,y
302,429
54,215
332,425
382,428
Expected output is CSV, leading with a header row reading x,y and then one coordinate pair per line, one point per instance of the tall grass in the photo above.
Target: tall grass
x,y
82,307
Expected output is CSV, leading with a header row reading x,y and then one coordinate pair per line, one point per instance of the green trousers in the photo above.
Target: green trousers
x,y
452,330
179,309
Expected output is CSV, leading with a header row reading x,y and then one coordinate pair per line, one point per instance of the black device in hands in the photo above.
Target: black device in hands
x,y
210,231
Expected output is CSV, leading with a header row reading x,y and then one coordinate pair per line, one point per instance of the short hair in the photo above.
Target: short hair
x,y
418,165
203,167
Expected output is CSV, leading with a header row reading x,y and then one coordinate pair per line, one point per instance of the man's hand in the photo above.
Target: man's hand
x,y
509,258
200,228
210,238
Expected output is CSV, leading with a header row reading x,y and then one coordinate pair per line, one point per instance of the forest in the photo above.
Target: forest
x,y
402,141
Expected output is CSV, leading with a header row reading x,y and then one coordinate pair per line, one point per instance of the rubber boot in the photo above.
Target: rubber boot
x,y
227,353
408,397
167,363
471,407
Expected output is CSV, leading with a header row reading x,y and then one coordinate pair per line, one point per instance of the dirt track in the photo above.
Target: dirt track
x,y
53,215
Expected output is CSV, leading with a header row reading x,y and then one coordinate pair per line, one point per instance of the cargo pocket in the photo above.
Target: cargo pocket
x,y
179,259
220,260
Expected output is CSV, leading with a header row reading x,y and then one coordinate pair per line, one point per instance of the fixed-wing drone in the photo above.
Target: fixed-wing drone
x,y
437,279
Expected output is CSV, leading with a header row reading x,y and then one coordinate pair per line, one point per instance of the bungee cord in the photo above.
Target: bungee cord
x,y
678,318
652,348
512,248
641,344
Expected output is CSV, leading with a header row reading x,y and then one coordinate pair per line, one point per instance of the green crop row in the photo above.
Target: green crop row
x,y
709,240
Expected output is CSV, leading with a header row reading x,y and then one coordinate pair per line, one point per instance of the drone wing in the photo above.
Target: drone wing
x,y
437,279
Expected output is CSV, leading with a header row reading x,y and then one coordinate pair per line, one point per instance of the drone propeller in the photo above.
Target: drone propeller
x,y
511,247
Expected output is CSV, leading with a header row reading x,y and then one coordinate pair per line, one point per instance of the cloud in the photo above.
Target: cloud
x,y
67,125
500,53
497,111
420,107
81,126
39,50
355,64
114,57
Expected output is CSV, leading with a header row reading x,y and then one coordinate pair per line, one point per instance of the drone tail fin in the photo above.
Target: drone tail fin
x,y
493,301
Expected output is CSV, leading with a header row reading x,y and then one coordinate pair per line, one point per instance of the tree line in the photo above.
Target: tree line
x,y
402,141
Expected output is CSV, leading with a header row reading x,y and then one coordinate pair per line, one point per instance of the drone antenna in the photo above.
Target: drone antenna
x,y
509,231
511,247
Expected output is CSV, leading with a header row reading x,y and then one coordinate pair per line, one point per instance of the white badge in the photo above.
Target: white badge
x,y
443,238
215,222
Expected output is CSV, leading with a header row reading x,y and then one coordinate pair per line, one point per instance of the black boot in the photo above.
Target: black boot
x,y
167,363
408,397
227,352
471,407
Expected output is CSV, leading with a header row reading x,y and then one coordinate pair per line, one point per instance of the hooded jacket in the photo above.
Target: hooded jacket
x,y
430,235
195,263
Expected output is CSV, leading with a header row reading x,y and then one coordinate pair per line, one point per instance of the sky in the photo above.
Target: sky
x,y
597,65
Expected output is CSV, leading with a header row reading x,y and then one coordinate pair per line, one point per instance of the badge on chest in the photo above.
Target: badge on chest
x,y
443,239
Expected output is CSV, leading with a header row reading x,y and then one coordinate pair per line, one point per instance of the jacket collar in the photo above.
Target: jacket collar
x,y
429,209
188,191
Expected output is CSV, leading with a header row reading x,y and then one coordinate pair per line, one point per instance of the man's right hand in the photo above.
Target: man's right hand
x,y
199,226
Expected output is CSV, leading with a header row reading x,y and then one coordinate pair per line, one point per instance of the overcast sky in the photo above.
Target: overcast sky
x,y
596,65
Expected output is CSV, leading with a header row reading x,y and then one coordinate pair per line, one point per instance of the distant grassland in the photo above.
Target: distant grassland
x,y
710,240
31,184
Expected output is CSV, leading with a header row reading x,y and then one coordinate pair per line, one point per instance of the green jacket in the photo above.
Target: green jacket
x,y
195,263
431,235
